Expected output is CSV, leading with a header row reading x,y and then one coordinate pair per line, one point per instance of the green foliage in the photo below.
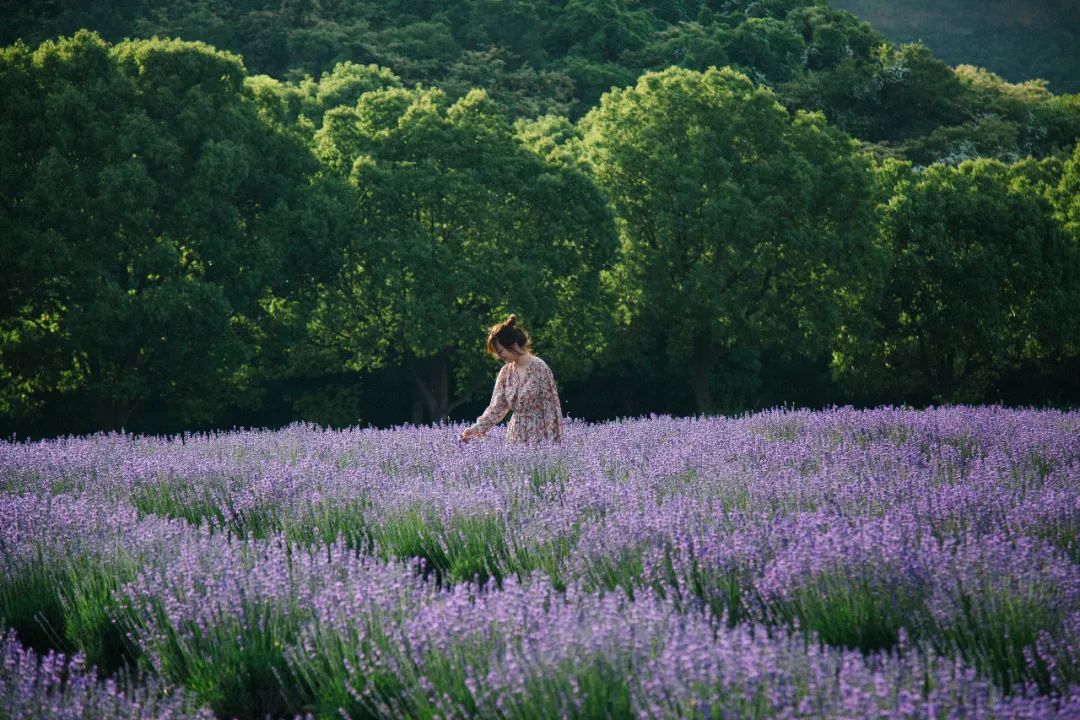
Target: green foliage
x,y
1066,197
212,505
736,219
68,604
833,37
726,591
994,630
87,590
465,224
599,30
982,279
194,245
896,94
237,667
326,679
31,604
1005,121
423,683
330,521
845,610
537,57
770,49
286,103
691,45
480,548
151,212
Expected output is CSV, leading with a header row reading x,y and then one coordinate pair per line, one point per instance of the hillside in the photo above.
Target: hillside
x,y
1019,41
537,57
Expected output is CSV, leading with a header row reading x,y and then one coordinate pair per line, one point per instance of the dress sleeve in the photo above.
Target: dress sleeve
x,y
497,408
552,407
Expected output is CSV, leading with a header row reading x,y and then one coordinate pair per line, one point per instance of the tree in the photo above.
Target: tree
x,y
690,45
769,49
465,225
1066,196
599,30
833,37
516,27
1044,124
1018,42
149,215
982,280
740,224
900,92
522,90
301,104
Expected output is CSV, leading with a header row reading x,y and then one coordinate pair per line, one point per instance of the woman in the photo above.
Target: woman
x,y
525,385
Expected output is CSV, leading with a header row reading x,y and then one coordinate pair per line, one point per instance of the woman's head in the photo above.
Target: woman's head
x,y
506,340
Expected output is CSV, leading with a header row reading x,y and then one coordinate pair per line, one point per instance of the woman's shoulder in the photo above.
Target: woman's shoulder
x,y
540,364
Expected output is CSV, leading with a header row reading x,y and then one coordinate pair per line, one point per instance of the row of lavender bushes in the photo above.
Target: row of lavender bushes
x,y
884,563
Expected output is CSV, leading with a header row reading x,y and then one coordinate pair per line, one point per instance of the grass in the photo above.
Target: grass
x,y
1064,534
478,549
549,480
91,614
994,632
330,675
329,521
843,612
69,605
464,549
623,569
30,602
341,674
726,591
197,506
236,667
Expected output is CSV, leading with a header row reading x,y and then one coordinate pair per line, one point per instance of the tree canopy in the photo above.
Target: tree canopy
x,y
982,281
149,217
249,213
740,223
465,225
539,58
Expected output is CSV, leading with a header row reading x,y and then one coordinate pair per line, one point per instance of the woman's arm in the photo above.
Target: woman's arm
x,y
496,409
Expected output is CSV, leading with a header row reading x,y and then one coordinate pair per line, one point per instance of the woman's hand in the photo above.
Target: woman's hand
x,y
468,434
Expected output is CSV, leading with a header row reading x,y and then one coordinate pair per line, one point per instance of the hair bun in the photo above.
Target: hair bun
x,y
512,320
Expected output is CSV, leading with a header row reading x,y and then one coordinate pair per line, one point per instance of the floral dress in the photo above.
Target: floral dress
x,y
530,392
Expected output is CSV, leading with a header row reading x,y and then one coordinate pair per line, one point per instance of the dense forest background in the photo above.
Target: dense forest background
x,y
247,213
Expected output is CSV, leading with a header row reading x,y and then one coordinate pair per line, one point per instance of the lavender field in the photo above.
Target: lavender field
x,y
788,564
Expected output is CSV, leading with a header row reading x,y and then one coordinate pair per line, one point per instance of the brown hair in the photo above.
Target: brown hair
x,y
507,334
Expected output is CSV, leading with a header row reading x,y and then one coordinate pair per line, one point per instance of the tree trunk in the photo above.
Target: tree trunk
x,y
417,392
948,377
438,375
628,396
929,391
431,396
111,414
108,413
417,407
701,365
